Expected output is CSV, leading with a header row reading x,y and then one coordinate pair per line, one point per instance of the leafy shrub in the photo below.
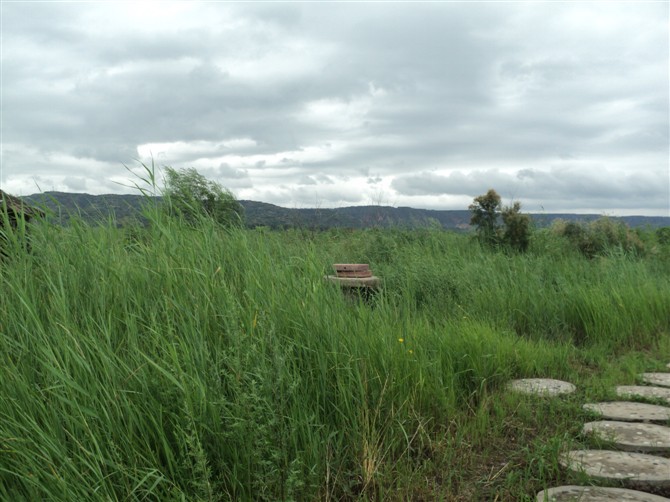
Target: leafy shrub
x,y
663,235
600,237
516,229
192,196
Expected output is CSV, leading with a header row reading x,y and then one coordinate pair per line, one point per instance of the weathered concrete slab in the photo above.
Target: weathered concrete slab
x,y
573,493
541,386
635,469
627,411
644,391
662,379
632,436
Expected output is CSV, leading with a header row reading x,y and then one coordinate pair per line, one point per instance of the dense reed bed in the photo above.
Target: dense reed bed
x,y
196,363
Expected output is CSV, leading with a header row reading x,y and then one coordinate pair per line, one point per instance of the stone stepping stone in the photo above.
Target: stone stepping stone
x,y
636,469
630,412
632,436
645,391
571,493
541,386
662,379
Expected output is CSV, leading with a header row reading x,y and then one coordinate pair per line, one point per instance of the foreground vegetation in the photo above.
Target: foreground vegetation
x,y
190,362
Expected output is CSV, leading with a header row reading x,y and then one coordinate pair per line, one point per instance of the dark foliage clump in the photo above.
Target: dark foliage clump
x,y
601,237
191,196
515,231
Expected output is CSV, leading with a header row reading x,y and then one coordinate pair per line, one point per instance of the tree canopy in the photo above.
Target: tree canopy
x,y
192,196
485,212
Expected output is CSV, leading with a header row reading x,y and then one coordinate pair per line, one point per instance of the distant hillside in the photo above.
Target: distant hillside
x,y
263,214
63,206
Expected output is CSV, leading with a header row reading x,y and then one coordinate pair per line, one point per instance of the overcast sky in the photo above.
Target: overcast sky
x,y
563,106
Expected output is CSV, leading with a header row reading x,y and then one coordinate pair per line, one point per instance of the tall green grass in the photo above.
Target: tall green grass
x,y
198,363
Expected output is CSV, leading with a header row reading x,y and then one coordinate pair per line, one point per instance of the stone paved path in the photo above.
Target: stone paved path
x,y
644,392
541,386
661,379
631,436
628,411
639,467
636,469
573,493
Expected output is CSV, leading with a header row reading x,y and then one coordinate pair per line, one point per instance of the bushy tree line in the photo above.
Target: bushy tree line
x,y
191,196
597,238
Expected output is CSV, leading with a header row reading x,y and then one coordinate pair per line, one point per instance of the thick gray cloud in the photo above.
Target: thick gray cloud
x,y
563,106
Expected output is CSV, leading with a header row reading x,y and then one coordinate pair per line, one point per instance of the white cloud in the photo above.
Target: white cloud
x,y
184,151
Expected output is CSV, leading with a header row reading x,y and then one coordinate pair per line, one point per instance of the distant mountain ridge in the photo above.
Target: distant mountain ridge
x,y
126,208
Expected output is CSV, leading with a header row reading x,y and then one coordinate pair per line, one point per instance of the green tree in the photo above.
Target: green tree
x,y
485,211
517,228
192,196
